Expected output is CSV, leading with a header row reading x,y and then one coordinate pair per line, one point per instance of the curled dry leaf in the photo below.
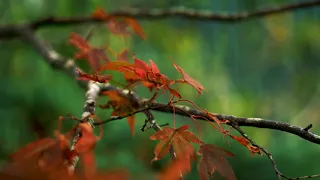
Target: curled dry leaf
x,y
253,149
187,79
94,77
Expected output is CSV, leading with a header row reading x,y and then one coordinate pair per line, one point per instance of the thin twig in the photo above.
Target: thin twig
x,y
9,31
279,174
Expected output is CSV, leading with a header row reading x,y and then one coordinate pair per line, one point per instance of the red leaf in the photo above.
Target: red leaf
x,y
131,121
174,171
189,80
136,27
213,159
203,171
163,134
88,163
154,67
116,66
33,149
121,107
94,77
87,141
246,143
141,64
92,54
180,140
99,13
174,93
183,128
119,28
123,55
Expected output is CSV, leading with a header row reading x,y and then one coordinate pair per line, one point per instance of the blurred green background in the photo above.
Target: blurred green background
x,y
267,67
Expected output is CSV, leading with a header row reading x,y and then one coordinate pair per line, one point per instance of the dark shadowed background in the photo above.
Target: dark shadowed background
x,y
267,67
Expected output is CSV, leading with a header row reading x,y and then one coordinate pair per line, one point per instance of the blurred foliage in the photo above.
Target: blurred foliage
x,y
268,68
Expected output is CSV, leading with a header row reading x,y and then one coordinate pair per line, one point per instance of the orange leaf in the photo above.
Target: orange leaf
x,y
87,141
246,143
174,93
131,121
88,163
99,13
174,171
189,80
33,149
121,107
136,27
163,134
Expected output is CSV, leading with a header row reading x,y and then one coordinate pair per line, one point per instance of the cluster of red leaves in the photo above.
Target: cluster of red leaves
x,y
150,76
212,160
119,26
95,56
121,106
139,72
51,158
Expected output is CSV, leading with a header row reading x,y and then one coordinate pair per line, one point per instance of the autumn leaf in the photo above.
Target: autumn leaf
x,y
181,140
119,26
46,154
187,79
116,66
246,143
174,171
33,149
100,14
213,159
121,106
174,93
123,55
94,77
131,121
92,54
87,140
136,27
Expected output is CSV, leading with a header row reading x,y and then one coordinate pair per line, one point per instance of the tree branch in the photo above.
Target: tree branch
x,y
68,66
88,110
240,121
10,31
